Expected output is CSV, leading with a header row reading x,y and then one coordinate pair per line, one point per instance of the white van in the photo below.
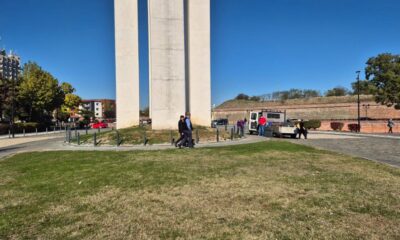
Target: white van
x,y
276,120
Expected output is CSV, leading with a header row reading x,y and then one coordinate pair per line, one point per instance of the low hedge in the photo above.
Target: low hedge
x,y
312,124
19,127
353,127
4,127
337,126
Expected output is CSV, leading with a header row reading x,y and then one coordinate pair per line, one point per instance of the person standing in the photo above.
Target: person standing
x,y
390,125
262,121
187,131
302,130
181,127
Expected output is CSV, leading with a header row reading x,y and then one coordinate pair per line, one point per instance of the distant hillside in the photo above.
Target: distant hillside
x,y
247,104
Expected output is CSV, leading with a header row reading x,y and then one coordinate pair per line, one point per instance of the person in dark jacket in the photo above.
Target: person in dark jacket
x,y
187,131
302,130
181,127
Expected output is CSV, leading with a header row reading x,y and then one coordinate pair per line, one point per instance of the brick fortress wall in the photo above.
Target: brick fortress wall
x,y
345,110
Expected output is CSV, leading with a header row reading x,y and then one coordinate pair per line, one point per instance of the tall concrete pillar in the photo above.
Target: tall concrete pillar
x,y
167,62
127,62
199,61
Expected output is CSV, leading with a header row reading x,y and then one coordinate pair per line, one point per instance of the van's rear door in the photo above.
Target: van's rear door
x,y
253,123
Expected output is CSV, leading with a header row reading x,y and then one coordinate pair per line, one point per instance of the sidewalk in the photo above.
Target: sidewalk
x,y
374,135
246,140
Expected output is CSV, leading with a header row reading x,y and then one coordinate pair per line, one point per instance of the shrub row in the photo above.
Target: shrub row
x,y
337,126
312,124
19,127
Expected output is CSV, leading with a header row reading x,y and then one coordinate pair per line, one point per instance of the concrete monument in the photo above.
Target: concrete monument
x,y
179,62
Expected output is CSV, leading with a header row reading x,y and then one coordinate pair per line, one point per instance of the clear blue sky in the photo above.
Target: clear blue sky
x,y
258,46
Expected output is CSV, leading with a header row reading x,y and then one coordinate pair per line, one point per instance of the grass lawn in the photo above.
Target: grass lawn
x,y
135,136
270,190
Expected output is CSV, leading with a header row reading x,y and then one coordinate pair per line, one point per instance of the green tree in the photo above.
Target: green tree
x,y
384,73
67,88
255,98
337,92
242,96
71,101
309,93
39,93
366,87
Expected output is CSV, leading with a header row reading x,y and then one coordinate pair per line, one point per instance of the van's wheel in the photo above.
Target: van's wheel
x,y
293,136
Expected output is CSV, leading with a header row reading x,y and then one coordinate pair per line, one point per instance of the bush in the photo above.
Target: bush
x,y
312,124
337,126
29,127
4,127
354,127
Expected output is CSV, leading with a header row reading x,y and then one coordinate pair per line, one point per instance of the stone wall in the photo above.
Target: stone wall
x,y
366,126
345,112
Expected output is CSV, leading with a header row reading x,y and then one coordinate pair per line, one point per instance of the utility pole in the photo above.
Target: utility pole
x,y
358,101
12,108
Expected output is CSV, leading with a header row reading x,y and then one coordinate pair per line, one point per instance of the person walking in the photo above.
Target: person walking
x,y
302,130
390,125
181,127
262,121
187,131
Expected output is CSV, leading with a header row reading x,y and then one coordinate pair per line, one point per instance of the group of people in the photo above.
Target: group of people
x,y
300,128
185,129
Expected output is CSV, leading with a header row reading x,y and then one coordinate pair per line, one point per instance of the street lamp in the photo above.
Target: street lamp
x,y
358,100
366,107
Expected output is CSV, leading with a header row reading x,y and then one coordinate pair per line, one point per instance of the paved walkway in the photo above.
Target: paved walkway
x,y
377,148
57,144
385,149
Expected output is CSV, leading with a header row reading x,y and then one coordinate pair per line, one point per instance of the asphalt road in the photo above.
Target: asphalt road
x,y
380,149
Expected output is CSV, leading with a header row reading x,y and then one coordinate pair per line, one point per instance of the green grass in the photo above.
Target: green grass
x,y
136,135
270,190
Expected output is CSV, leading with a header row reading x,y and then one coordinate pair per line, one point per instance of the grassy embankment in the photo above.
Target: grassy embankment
x,y
136,135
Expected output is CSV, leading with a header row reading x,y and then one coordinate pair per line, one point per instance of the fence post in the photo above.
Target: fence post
x,y
54,129
217,135
197,136
118,139
66,136
47,130
9,133
144,137
94,140
98,130
36,131
69,135
86,129
79,139
23,130
231,134
226,127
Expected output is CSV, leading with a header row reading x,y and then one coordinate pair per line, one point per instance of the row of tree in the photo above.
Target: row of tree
x,y
382,80
36,96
